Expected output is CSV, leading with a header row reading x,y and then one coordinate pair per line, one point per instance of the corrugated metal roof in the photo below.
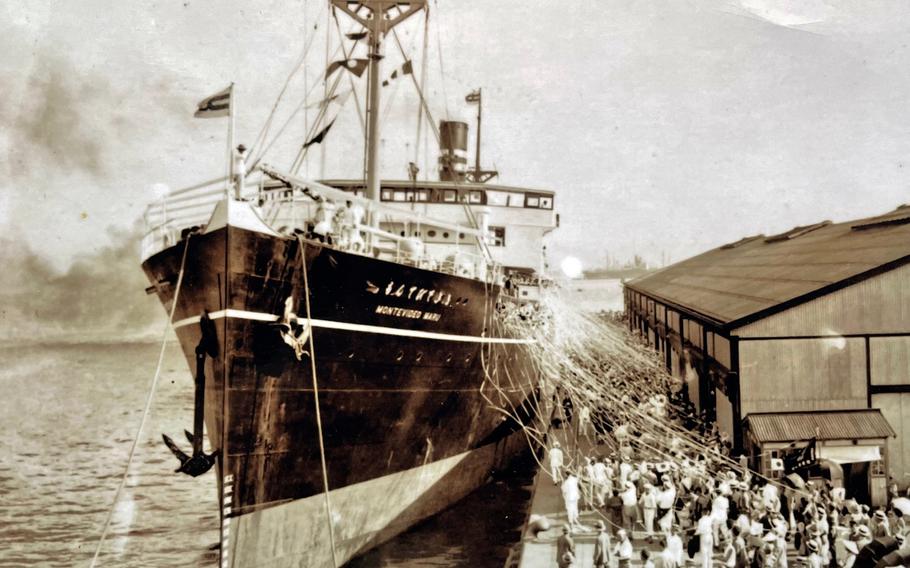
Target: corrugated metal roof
x,y
835,425
743,281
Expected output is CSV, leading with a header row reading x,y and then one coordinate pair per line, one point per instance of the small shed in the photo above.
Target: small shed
x,y
855,441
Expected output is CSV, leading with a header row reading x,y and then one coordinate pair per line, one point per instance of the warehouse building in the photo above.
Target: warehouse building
x,y
796,340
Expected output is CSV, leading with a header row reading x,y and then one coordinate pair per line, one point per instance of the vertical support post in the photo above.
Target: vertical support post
x,y
230,148
373,142
738,443
477,149
227,497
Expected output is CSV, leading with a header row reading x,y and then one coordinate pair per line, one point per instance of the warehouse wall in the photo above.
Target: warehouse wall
x,y
880,304
802,374
895,408
890,358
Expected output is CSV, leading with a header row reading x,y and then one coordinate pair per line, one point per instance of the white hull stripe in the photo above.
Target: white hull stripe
x,y
327,324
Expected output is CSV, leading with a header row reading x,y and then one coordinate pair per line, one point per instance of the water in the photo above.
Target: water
x,y
68,415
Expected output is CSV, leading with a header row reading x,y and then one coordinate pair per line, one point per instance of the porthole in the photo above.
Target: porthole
x,y
419,357
399,356
431,233
467,359
449,358
460,235
445,235
350,354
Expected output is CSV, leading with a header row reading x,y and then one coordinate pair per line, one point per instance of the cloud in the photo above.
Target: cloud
x,y
59,120
100,297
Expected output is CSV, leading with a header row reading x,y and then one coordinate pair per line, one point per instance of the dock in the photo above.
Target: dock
x,y
540,551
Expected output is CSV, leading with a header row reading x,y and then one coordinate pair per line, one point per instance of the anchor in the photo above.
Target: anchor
x,y
200,462
294,332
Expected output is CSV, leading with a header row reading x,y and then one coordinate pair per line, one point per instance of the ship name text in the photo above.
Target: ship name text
x,y
407,313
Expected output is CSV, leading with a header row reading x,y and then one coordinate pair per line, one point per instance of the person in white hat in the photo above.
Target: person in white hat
x,y
556,461
629,497
813,560
666,499
565,548
571,494
648,504
601,482
850,552
601,546
705,532
863,536
878,525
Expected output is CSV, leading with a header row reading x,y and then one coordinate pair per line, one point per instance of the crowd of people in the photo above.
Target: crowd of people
x,y
659,484
697,505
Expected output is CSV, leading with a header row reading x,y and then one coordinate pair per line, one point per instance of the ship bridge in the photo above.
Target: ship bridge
x,y
514,219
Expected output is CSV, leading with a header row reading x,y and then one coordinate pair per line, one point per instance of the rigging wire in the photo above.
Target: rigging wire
x,y
148,404
442,71
263,132
422,85
300,106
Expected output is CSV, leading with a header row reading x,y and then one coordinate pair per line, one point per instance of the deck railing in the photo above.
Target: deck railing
x,y
289,211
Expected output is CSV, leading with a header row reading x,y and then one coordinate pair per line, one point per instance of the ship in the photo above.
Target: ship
x,y
355,371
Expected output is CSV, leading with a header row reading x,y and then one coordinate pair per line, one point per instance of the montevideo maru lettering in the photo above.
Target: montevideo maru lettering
x,y
406,313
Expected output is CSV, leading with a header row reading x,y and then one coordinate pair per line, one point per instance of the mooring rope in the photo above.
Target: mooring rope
x,y
325,472
148,405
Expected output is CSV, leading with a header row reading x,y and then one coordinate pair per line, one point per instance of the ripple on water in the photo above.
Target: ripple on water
x,y
75,410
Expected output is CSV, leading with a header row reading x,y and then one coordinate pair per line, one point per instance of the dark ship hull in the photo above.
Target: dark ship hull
x,y
412,369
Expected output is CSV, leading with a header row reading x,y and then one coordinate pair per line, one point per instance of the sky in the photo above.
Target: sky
x,y
666,128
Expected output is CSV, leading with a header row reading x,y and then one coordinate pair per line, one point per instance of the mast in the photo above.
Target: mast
x,y
478,175
477,150
377,17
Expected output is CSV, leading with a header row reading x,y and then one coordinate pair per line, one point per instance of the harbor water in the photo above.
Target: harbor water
x,y
69,414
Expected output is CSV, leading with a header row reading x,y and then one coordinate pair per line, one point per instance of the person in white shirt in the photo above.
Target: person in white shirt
x,y
666,498
649,510
556,463
629,506
720,507
599,473
705,531
623,550
571,495
589,483
676,548
625,468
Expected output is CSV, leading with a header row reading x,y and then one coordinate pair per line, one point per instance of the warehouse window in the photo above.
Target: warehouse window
x,y
877,468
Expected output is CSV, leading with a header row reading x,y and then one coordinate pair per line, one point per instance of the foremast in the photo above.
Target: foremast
x,y
378,17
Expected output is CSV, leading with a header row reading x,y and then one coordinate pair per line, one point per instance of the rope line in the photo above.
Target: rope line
x,y
148,406
325,473
594,364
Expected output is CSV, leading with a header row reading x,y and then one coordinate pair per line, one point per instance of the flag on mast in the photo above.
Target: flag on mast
x,y
355,66
216,105
320,136
473,97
